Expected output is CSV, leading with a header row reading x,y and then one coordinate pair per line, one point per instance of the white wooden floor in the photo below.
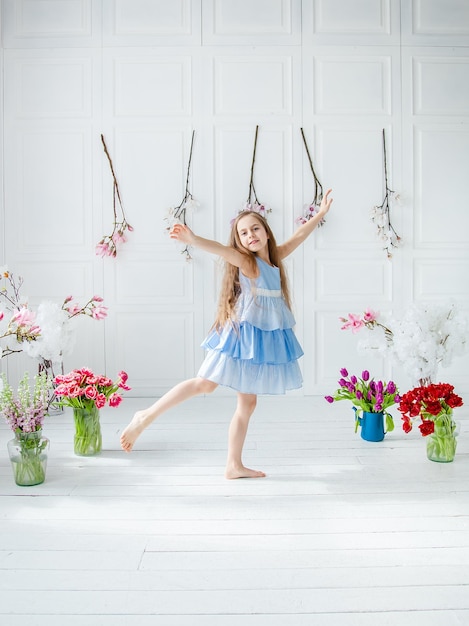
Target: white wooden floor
x,y
342,532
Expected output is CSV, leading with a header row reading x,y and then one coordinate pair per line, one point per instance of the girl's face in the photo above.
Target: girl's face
x,y
252,234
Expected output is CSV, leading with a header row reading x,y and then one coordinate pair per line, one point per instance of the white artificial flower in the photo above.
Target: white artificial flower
x,y
426,336
57,337
191,204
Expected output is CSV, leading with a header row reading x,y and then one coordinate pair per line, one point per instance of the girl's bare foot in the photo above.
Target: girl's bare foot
x,y
242,472
132,432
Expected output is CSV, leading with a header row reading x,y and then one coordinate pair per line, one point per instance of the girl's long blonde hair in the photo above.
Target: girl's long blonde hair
x,y
230,286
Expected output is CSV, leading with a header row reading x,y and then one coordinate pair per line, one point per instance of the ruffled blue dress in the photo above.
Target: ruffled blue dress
x,y
258,353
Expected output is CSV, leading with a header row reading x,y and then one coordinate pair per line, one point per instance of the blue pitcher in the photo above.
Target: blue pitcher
x,y
372,425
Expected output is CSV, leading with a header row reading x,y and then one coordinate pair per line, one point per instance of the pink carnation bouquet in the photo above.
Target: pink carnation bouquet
x,y
86,393
82,389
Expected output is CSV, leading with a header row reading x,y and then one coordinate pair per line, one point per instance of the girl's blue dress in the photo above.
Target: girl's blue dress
x,y
259,352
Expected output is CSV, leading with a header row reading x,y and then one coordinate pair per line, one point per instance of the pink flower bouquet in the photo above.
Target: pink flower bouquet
x,y
86,393
83,389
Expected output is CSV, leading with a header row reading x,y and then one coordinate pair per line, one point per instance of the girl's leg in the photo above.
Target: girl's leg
x,y
237,435
183,391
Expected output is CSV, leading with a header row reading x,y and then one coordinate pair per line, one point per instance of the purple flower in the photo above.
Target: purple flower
x,y
343,372
342,382
330,399
378,408
397,398
365,375
380,385
350,387
359,394
391,388
353,379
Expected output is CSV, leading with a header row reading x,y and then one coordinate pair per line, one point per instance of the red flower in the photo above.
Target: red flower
x,y
433,403
427,427
454,401
433,407
406,424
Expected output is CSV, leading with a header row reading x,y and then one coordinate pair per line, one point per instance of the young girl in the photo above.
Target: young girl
x,y
251,347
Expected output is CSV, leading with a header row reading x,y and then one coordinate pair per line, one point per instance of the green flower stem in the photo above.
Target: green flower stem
x,y
88,440
441,445
29,466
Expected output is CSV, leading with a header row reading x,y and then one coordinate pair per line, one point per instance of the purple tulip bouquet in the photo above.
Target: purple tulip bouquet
x,y
368,395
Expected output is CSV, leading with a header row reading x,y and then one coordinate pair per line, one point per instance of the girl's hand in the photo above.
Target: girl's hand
x,y
182,233
325,204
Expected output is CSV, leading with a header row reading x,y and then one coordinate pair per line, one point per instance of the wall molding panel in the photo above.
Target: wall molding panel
x,y
155,23
146,74
38,23
257,22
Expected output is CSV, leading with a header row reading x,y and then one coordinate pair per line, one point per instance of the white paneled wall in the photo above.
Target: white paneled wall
x,y
145,74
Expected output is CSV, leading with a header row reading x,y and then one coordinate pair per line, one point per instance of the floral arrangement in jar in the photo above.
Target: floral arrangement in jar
x,y
25,413
367,396
433,405
86,393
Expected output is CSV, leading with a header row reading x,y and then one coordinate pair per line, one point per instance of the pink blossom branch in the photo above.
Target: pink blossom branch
x,y
108,244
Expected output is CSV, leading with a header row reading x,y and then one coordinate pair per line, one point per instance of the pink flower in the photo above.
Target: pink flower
x,y
99,312
100,400
122,380
115,399
103,249
370,316
73,309
354,323
301,220
2,315
91,392
24,317
97,299
119,237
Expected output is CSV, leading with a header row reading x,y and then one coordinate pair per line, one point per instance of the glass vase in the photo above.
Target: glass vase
x,y
441,444
441,448
28,457
87,440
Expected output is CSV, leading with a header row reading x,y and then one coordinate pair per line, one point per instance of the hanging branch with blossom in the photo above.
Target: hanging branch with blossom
x,y
381,214
178,214
108,244
310,210
252,203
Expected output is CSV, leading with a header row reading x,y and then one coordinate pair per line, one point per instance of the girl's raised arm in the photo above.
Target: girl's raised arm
x,y
303,232
184,234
